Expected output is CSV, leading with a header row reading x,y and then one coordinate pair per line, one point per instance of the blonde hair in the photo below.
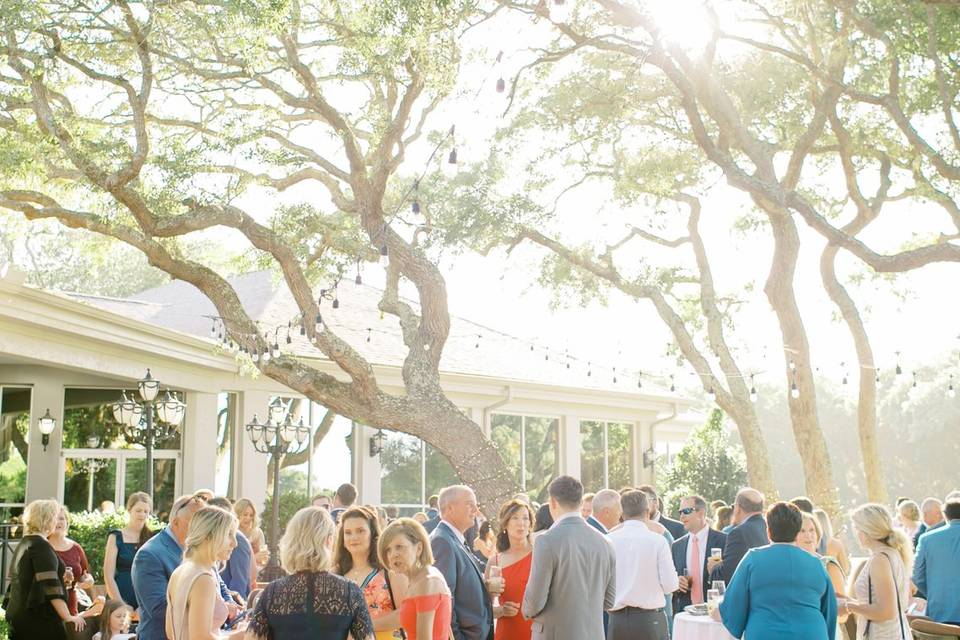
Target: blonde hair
x,y
242,505
304,545
826,527
209,525
40,516
816,524
414,532
875,522
910,510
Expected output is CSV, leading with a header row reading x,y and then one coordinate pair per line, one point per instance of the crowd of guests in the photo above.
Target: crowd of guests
x,y
607,565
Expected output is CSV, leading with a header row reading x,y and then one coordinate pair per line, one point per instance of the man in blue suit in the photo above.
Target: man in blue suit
x,y
606,511
750,532
932,514
155,562
693,549
935,570
472,609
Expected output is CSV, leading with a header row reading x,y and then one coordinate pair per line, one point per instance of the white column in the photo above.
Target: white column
x,y
42,479
366,468
569,441
250,466
199,438
642,440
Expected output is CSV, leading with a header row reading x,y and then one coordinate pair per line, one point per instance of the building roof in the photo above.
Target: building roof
x,y
472,349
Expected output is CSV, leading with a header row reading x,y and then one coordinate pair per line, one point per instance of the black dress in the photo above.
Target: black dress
x,y
311,606
36,580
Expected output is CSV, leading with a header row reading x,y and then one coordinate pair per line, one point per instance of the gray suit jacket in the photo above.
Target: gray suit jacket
x,y
572,582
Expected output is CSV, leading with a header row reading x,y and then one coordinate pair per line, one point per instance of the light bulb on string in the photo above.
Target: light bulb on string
x,y
673,386
914,380
614,375
794,391
369,332
899,369
501,85
639,379
843,366
711,394
793,366
753,390
951,392
589,369
336,303
876,373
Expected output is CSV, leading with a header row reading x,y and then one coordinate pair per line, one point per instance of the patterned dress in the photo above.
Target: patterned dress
x,y
378,600
897,628
311,606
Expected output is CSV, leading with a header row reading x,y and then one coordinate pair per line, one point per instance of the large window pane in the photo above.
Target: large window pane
x,y
88,421
164,483
440,472
591,455
400,469
619,455
540,446
227,432
88,482
505,434
14,443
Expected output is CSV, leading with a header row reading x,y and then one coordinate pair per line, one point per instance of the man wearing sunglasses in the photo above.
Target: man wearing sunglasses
x,y
691,551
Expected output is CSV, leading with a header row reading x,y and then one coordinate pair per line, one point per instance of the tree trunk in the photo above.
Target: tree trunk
x,y
867,402
817,467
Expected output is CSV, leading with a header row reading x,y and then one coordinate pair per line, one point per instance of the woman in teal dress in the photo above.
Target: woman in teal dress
x,y
780,591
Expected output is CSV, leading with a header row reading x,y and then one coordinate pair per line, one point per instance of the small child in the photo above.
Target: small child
x,y
114,621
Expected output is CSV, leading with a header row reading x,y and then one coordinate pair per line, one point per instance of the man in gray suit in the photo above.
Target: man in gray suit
x,y
573,575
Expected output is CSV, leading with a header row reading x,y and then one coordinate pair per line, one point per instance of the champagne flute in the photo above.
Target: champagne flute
x,y
495,582
720,587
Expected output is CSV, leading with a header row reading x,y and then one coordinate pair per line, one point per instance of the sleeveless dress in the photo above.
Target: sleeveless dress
x,y
125,553
515,577
76,559
378,600
887,629
440,603
178,606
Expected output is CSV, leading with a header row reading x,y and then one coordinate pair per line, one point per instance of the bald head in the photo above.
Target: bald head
x,y
749,502
606,508
931,511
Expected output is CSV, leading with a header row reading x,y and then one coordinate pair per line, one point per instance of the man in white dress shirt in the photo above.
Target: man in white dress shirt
x,y
645,572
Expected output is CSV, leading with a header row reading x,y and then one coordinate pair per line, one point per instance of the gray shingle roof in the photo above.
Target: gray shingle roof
x,y
472,349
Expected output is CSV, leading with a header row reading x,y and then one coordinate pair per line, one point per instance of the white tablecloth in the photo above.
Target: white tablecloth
x,y
688,627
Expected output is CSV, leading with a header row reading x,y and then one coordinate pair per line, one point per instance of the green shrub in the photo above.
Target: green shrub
x,y
90,531
290,503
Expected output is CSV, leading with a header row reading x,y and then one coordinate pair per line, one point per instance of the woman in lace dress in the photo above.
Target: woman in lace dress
x,y
311,603
882,589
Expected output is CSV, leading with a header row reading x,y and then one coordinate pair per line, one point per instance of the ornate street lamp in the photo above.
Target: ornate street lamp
x,y
277,437
145,422
46,424
376,443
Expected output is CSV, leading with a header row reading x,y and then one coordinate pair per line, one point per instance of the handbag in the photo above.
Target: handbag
x,y
866,630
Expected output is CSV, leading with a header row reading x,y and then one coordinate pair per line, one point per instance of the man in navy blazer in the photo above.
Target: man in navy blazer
x,y
693,514
750,532
606,511
472,609
155,562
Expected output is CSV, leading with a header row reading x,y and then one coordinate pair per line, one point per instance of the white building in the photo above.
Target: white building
x,y
72,355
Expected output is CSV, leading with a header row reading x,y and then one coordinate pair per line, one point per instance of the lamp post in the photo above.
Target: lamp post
x,y
144,421
278,436
91,466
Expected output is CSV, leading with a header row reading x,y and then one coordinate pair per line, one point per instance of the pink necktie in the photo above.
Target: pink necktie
x,y
696,586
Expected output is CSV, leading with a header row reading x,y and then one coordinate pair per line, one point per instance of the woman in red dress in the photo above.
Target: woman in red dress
x,y
513,563
427,610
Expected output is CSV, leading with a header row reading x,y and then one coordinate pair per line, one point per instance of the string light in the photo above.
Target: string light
x,y
843,365
673,386
899,370
753,390
639,379
951,393
914,379
794,391
711,394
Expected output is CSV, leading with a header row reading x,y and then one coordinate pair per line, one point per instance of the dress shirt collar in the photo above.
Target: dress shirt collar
x,y
567,516
455,531
702,536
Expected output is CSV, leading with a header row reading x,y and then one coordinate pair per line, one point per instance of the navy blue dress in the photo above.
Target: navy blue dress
x,y
311,606
125,553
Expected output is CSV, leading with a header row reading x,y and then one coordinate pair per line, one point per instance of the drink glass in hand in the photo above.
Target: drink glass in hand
x,y
720,587
495,582
716,553
68,578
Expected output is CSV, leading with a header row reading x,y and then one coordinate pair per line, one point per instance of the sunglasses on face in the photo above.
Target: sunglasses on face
x,y
687,511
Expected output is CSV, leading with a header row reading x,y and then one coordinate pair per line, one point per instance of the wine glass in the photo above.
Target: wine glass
x,y
495,582
720,587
